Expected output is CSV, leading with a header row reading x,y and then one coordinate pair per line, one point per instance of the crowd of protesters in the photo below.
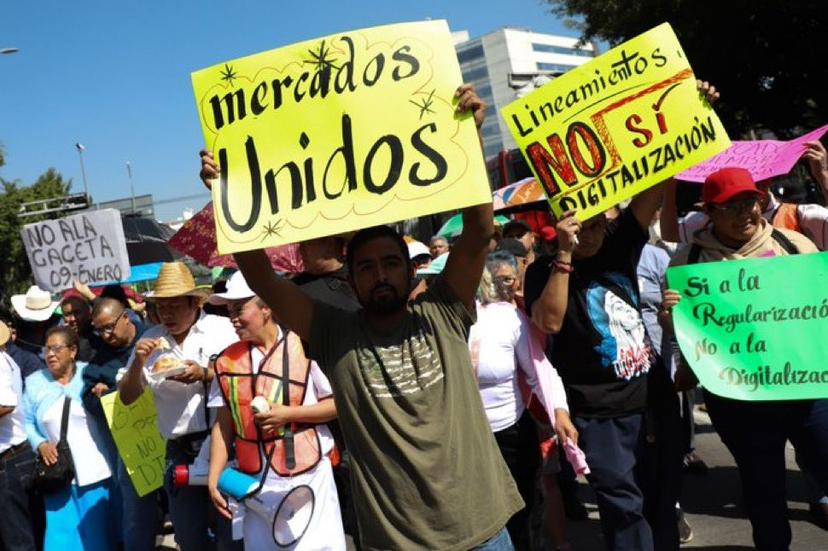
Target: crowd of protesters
x,y
424,396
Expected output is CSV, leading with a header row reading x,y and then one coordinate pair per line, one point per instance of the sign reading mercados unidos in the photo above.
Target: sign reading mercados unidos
x,y
89,247
338,133
609,129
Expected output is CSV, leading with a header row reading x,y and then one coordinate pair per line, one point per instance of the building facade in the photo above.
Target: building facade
x,y
502,62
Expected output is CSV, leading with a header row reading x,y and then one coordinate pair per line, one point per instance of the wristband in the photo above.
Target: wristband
x,y
562,267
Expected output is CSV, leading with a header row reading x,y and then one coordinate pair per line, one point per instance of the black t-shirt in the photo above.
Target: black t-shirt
x,y
602,351
331,289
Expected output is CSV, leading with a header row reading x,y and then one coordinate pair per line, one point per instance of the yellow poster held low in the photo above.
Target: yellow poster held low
x,y
339,133
611,128
135,431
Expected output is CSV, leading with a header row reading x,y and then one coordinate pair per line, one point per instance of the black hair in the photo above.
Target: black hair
x,y
365,235
117,292
69,336
78,305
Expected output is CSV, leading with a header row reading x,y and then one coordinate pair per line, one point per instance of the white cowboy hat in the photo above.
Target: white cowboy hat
x,y
237,289
35,305
416,248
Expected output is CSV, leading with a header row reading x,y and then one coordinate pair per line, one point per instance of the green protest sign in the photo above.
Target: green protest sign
x,y
755,329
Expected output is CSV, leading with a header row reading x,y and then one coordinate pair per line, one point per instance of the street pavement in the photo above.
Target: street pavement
x,y
713,504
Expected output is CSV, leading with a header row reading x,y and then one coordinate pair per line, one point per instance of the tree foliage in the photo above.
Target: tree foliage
x,y
15,273
767,57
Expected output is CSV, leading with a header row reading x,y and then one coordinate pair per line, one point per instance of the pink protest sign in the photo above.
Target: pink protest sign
x,y
763,158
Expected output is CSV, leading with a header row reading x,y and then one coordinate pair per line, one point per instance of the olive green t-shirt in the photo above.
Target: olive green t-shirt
x,y
426,472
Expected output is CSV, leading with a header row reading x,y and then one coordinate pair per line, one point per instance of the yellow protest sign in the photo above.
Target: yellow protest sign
x,y
140,445
338,133
609,129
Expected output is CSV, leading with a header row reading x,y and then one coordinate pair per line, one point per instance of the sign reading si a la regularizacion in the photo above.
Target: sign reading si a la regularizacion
x,y
89,247
609,129
135,431
338,133
743,332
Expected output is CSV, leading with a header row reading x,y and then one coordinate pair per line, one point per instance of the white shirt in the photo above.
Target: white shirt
x,y
499,344
11,391
813,221
181,407
90,464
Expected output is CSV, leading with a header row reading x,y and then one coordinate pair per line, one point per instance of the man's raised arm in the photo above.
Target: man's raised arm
x,y
468,256
291,306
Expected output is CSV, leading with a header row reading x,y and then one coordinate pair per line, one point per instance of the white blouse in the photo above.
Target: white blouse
x,y
81,433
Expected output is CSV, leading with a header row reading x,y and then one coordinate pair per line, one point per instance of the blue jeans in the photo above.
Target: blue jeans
x,y
21,509
501,542
755,433
140,521
191,509
613,447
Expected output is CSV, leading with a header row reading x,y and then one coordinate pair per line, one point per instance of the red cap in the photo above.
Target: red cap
x,y
181,475
726,183
548,234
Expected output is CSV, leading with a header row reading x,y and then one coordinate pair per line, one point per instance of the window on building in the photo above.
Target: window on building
x,y
490,129
492,149
554,67
550,49
469,54
485,92
475,74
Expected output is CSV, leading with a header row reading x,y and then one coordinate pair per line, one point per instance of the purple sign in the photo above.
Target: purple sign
x,y
763,158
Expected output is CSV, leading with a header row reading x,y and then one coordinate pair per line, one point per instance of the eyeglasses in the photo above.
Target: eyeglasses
x,y
505,280
236,308
108,329
736,207
54,349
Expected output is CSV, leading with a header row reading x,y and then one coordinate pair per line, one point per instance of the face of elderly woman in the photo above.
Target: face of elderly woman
x,y
505,280
60,357
736,221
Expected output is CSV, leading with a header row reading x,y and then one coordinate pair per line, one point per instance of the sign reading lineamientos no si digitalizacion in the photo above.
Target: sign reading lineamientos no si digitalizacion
x,y
609,129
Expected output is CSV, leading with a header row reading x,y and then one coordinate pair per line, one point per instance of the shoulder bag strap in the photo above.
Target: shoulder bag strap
x,y
64,420
290,455
693,255
783,240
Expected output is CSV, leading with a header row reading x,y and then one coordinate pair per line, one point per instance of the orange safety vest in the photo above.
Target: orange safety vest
x,y
786,217
239,385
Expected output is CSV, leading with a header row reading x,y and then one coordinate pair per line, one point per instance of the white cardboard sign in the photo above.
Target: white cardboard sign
x,y
89,247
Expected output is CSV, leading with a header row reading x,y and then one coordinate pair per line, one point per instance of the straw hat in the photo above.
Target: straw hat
x,y
176,280
35,305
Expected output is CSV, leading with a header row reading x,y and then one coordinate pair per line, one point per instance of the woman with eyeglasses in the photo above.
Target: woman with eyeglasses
x,y
755,433
506,355
78,516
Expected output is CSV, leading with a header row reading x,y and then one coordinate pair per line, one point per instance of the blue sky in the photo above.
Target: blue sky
x,y
115,76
